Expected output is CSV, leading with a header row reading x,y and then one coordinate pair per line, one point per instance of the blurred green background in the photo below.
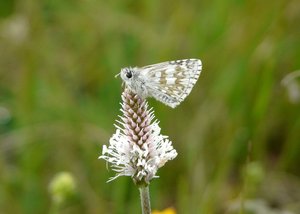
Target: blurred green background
x,y
237,134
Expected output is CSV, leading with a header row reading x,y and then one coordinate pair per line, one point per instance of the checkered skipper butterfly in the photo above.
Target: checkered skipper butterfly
x,y
169,82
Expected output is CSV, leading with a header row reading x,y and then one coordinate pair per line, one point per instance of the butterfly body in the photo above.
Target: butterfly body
x,y
135,81
168,82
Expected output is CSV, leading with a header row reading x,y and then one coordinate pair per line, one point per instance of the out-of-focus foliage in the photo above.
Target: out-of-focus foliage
x,y
237,134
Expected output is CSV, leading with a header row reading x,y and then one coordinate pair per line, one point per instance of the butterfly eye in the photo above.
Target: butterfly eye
x,y
129,74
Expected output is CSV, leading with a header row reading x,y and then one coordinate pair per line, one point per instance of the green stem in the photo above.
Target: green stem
x,y
145,199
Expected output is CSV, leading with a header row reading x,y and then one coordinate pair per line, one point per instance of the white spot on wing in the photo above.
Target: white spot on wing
x,y
170,71
171,81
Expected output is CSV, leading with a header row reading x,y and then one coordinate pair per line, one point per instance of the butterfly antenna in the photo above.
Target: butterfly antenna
x,y
117,75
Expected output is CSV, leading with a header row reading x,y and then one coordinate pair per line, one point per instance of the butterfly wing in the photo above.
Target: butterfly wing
x,y
171,82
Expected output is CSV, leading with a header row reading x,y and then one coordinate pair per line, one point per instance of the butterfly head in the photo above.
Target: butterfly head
x,y
127,74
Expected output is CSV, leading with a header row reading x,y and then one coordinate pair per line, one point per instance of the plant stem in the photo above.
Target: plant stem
x,y
145,199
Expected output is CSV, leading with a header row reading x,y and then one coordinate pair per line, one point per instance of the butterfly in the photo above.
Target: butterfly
x,y
168,82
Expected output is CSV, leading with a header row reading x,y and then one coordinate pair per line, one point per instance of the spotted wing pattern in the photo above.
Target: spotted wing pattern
x,y
171,82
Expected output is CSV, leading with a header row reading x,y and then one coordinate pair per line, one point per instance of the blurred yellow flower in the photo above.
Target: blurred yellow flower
x,y
62,187
166,211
